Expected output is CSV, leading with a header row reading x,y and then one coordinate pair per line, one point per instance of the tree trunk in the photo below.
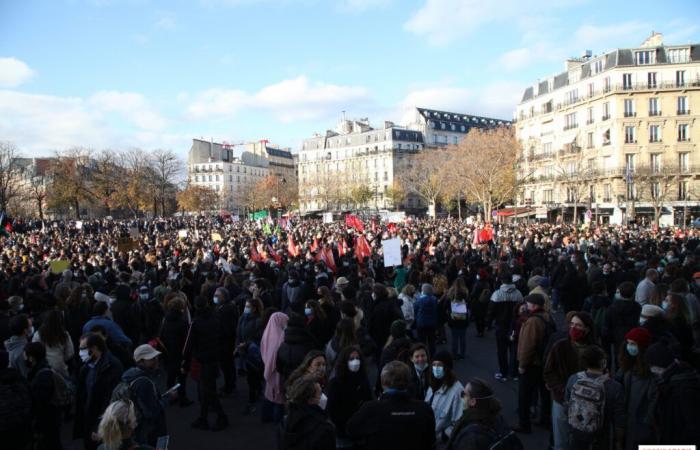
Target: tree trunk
x,y
459,205
40,205
487,211
76,205
575,212
657,215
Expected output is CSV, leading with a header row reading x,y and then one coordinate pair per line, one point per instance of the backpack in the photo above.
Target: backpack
x,y
506,441
456,312
586,410
63,390
124,391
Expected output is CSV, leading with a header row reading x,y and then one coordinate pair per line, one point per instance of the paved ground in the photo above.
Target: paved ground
x,y
248,433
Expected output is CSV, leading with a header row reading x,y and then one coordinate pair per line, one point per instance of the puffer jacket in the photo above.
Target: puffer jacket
x,y
297,343
426,311
293,295
502,305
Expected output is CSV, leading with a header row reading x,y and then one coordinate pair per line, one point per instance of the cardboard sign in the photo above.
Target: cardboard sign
x,y
216,237
79,225
391,248
59,265
182,234
126,244
328,217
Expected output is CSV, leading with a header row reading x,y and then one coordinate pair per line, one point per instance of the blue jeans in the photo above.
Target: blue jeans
x,y
560,426
459,341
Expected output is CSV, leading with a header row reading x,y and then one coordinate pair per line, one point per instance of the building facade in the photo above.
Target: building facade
x,y
356,154
214,165
615,133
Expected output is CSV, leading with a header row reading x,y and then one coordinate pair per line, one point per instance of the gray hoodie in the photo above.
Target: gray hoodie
x,y
15,349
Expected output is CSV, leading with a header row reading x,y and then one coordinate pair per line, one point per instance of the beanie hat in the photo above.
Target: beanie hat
x,y
533,282
652,311
535,299
445,358
658,355
398,329
639,335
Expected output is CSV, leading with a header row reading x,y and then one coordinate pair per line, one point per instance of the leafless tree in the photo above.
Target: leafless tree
x,y
10,173
166,166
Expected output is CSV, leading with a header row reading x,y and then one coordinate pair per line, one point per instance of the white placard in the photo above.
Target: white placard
x,y
78,224
391,248
328,217
182,234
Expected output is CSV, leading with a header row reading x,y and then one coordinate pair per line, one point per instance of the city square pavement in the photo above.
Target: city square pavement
x,y
248,433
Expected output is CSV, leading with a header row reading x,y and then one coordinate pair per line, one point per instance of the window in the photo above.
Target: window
x,y
683,159
591,89
386,176
606,84
629,163
572,96
630,137
682,190
626,81
598,66
606,111
631,191
591,193
629,107
644,57
590,116
589,140
570,121
683,132
547,107
196,178
209,177
547,148
654,106
655,162
570,195
548,196
683,105
653,133
442,125
655,190
455,140
678,55
680,78
651,80
217,178
606,137
607,196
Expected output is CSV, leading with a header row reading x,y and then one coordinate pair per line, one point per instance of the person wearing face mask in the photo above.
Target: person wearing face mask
x,y
126,311
144,392
97,378
479,296
273,336
317,323
580,389
481,424
561,362
395,420
347,390
426,314
678,400
622,315
314,364
227,313
22,330
443,395
307,425
640,388
419,373
47,417
384,311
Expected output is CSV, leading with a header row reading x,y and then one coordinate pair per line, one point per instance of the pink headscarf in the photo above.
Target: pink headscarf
x,y
271,340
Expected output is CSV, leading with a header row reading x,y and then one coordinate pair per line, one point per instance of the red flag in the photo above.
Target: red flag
x,y
254,255
353,222
341,248
374,226
391,227
314,246
362,249
327,257
292,248
274,254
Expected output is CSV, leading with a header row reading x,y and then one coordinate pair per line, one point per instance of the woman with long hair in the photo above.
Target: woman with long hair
x,y
58,343
348,389
345,335
78,308
458,316
317,323
678,317
444,395
314,365
116,428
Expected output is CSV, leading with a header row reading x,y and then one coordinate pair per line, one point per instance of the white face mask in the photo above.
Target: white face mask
x,y
323,401
642,321
84,355
354,365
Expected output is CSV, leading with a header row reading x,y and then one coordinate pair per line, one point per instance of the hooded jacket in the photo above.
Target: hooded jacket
x,y
293,295
15,349
677,405
502,305
151,407
297,343
622,316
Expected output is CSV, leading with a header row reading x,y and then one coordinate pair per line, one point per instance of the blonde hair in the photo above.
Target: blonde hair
x,y
117,423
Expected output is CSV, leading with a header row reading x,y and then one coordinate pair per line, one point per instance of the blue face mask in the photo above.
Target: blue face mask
x,y
438,372
665,305
247,310
632,349
308,311
216,300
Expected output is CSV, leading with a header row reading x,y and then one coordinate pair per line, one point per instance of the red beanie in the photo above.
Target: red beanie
x,y
639,335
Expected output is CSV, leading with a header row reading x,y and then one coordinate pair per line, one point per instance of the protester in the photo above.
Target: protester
x,y
272,339
444,395
117,426
502,312
47,416
395,420
307,425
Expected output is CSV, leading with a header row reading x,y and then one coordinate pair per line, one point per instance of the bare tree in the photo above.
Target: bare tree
x,y
36,192
655,185
10,173
487,161
70,185
573,173
166,167
425,176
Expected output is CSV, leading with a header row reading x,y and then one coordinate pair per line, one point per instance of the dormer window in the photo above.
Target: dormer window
x,y
644,57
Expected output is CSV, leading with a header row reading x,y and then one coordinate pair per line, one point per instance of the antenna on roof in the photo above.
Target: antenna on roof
x,y
343,115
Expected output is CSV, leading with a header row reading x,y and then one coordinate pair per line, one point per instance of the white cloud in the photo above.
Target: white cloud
x,y
288,100
167,22
14,72
443,21
134,107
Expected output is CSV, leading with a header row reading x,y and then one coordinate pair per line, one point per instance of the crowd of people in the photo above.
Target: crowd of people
x,y
105,323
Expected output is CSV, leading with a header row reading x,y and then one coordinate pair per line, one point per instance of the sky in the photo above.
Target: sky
x,y
154,74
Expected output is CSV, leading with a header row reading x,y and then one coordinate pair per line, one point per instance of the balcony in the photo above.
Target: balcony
x,y
630,114
590,121
654,113
570,126
605,117
683,112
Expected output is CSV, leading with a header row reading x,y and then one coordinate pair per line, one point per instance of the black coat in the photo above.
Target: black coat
x,y
127,314
384,312
297,343
204,341
173,335
477,429
307,428
249,329
15,410
394,421
91,405
345,396
622,316
678,406
228,320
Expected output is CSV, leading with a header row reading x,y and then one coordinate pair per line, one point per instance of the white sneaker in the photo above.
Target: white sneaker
x,y
499,376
